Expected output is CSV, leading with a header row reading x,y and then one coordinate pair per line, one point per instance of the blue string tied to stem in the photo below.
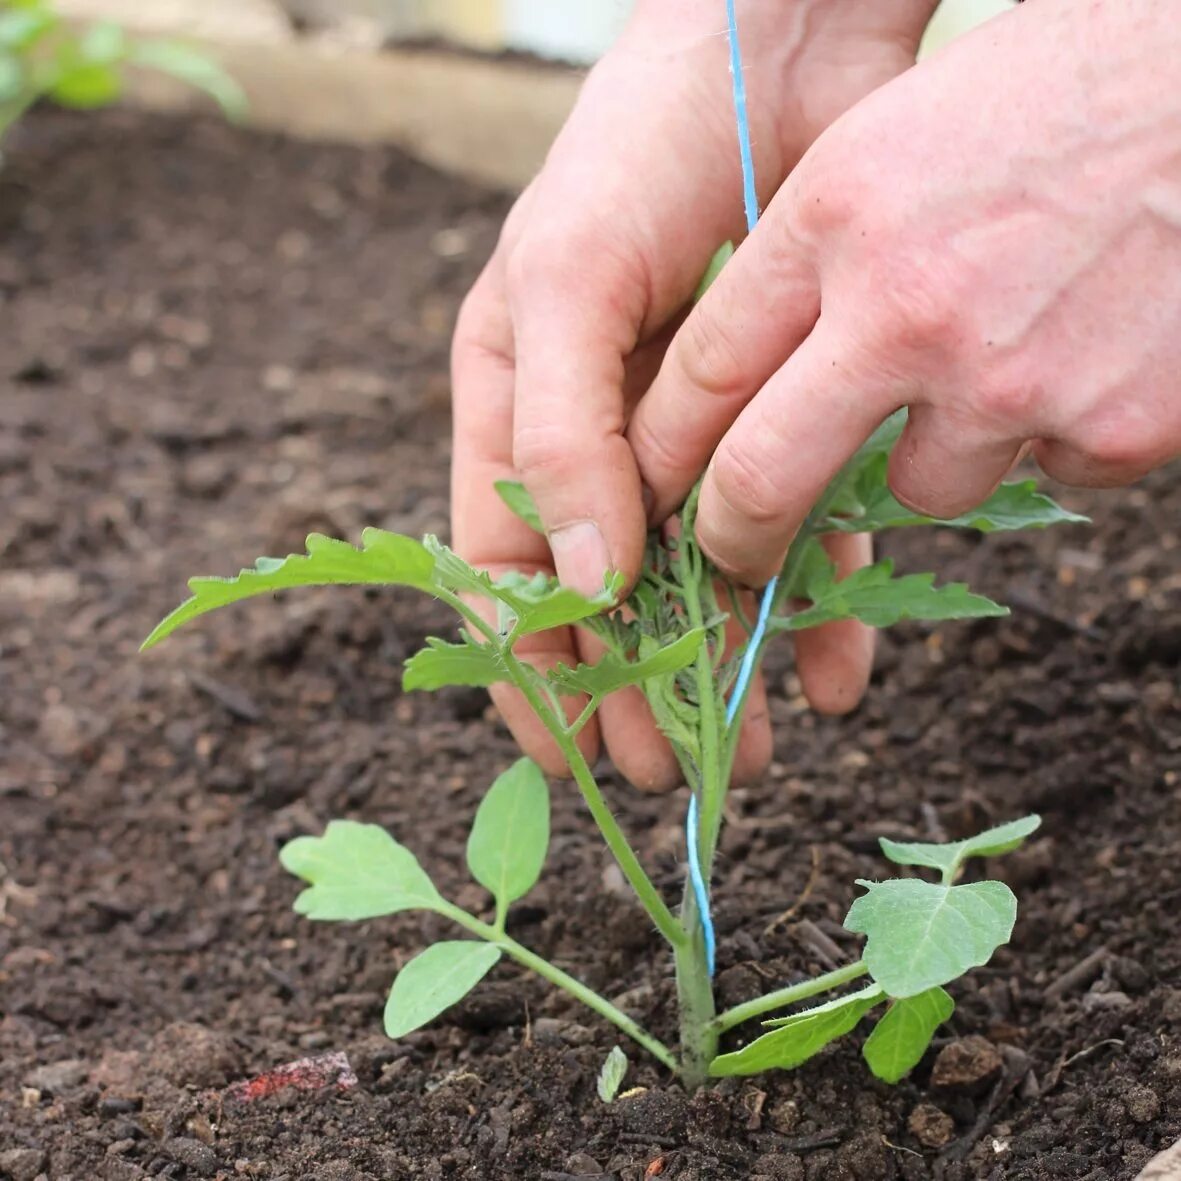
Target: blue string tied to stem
x,y
750,200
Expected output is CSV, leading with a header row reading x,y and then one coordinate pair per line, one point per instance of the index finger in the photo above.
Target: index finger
x,y
755,314
486,532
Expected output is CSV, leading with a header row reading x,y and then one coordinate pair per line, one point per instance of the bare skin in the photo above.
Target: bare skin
x,y
994,237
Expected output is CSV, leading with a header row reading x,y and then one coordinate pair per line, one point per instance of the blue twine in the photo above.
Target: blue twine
x,y
750,201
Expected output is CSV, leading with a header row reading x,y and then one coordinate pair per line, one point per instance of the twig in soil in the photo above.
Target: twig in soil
x,y
235,702
1005,1086
900,1148
805,894
1027,601
1078,975
817,942
1054,1076
647,1138
1089,1050
825,1138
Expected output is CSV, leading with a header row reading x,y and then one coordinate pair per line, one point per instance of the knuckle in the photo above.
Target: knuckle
x,y
710,357
543,447
748,483
920,306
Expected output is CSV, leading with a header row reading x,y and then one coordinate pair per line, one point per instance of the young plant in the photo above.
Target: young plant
x,y
668,639
41,56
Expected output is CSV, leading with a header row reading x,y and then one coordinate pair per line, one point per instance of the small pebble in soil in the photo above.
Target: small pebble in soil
x,y
57,1077
187,1054
195,1156
778,1166
1142,1103
967,1064
931,1127
22,1164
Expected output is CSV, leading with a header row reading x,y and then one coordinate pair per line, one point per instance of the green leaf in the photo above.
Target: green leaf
x,y
103,43
434,980
948,857
12,78
21,28
85,86
901,1037
539,603
614,672
795,1039
722,255
384,559
466,663
873,595
357,871
920,934
611,1075
530,603
198,69
516,496
868,505
510,837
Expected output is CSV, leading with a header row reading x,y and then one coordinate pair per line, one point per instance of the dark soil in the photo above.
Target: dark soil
x,y
212,343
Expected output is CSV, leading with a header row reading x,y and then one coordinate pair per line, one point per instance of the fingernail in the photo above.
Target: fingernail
x,y
581,557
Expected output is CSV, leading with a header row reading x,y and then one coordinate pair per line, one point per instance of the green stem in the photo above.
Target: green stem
x,y
629,863
555,723
788,996
695,997
564,981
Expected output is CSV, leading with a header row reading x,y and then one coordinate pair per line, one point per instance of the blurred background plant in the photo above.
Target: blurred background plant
x,y
44,56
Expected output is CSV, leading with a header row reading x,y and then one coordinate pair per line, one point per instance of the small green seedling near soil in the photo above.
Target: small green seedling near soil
x,y
44,57
667,637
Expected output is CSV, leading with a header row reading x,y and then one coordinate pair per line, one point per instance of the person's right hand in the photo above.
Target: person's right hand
x,y
569,321
994,240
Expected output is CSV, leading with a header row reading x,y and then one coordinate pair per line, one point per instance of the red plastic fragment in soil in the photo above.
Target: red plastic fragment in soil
x,y
306,1074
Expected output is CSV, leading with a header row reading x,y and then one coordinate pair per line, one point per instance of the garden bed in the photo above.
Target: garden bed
x,y
212,343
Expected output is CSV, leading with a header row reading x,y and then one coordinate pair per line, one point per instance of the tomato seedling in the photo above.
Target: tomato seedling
x,y
42,56
667,638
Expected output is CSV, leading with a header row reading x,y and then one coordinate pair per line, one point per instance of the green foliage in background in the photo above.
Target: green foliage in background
x,y
42,56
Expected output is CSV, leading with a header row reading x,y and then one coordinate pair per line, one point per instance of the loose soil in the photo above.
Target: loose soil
x,y
212,343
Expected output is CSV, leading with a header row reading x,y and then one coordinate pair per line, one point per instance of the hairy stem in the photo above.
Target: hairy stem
x,y
555,722
788,996
564,981
695,996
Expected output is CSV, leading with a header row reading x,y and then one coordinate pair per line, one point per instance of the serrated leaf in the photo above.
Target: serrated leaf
x,y
922,934
614,672
950,855
434,980
611,1075
867,505
384,559
195,68
516,496
901,1037
466,663
540,603
510,837
721,256
797,1038
874,596
357,871
535,602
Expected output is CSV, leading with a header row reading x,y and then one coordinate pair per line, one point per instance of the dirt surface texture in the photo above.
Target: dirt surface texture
x,y
212,344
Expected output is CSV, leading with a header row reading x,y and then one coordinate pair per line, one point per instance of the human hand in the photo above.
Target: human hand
x,y
568,323
994,240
